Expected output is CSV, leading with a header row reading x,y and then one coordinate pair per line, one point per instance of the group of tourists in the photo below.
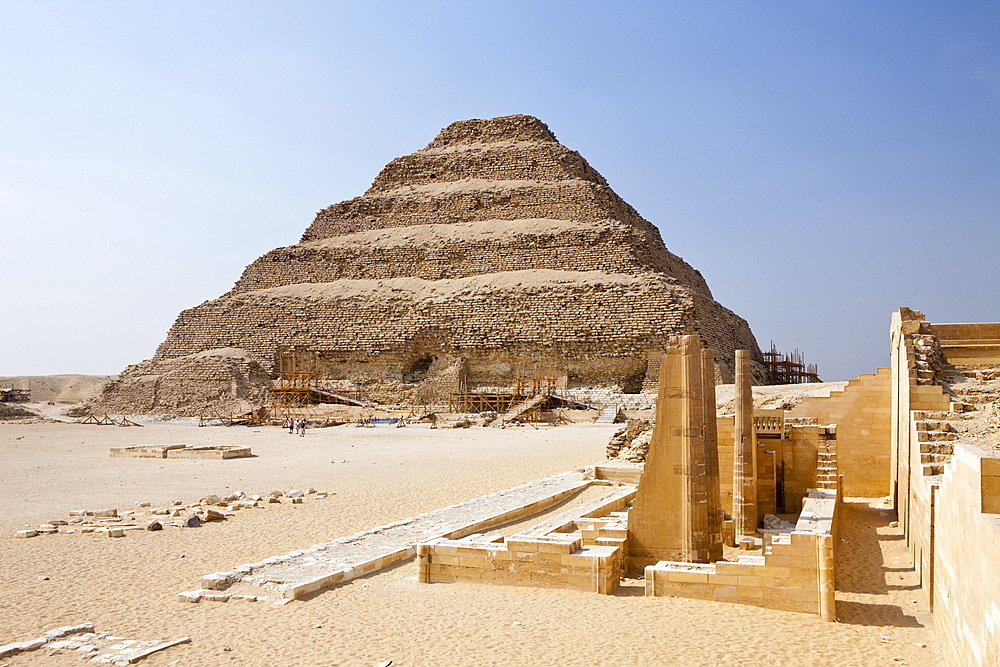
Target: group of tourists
x,y
297,426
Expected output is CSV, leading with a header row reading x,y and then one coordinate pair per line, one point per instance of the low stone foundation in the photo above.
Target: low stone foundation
x,y
795,573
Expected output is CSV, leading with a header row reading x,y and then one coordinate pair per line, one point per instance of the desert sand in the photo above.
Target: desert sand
x,y
127,586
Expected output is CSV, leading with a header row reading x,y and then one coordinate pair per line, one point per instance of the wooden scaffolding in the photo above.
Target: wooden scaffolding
x,y
15,395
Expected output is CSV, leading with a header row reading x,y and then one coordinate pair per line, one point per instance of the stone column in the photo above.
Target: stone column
x,y
825,566
669,519
744,453
715,513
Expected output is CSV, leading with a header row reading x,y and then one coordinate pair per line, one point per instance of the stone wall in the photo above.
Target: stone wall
x,y
862,413
946,466
213,382
549,561
967,572
796,573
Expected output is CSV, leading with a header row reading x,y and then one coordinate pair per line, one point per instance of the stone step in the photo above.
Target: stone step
x,y
977,398
936,415
935,436
934,458
977,373
933,470
927,425
936,448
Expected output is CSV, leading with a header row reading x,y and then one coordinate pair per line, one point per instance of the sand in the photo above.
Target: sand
x,y
59,388
127,586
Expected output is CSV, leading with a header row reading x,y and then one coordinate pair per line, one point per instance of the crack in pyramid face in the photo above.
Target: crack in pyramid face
x,y
493,248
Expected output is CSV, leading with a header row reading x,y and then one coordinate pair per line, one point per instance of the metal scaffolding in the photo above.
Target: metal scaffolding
x,y
789,368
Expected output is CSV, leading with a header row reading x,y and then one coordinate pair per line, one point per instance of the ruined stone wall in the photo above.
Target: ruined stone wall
x,y
503,161
470,200
213,382
606,317
723,331
435,252
477,200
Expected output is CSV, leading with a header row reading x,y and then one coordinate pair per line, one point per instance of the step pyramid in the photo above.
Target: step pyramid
x,y
493,249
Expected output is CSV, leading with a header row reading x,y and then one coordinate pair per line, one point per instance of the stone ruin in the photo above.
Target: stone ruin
x,y
492,250
671,528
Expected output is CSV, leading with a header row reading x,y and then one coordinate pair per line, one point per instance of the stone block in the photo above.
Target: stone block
x,y
681,576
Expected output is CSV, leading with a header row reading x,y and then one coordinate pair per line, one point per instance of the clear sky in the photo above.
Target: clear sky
x,y
821,163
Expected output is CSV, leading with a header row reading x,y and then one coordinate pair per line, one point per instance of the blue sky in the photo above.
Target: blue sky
x,y
822,163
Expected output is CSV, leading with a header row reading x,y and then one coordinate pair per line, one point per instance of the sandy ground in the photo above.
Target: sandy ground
x,y
62,388
127,586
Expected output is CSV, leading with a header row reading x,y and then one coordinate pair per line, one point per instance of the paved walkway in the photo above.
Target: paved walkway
x,y
298,573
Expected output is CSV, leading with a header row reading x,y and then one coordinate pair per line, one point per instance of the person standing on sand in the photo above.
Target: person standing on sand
x,y
302,428
291,426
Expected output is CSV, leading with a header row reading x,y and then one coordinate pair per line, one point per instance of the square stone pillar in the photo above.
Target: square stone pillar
x,y
715,513
670,516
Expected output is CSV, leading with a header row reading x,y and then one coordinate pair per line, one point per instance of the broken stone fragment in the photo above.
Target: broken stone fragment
x,y
296,501
277,494
214,581
154,525
211,500
106,512
296,493
115,532
212,515
26,533
58,522
192,521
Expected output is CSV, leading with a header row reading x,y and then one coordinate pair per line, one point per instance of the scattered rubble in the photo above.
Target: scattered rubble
x,y
111,522
97,647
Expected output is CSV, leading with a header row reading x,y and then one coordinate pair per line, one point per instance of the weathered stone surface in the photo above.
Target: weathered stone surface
x,y
493,247
676,512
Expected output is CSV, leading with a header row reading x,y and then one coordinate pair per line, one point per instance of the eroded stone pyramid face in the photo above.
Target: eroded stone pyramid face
x,y
492,249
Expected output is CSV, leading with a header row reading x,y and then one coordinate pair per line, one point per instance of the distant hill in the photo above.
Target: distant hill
x,y
58,388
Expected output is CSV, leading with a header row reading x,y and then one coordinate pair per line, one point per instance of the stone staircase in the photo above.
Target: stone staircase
x,y
935,434
971,389
826,465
